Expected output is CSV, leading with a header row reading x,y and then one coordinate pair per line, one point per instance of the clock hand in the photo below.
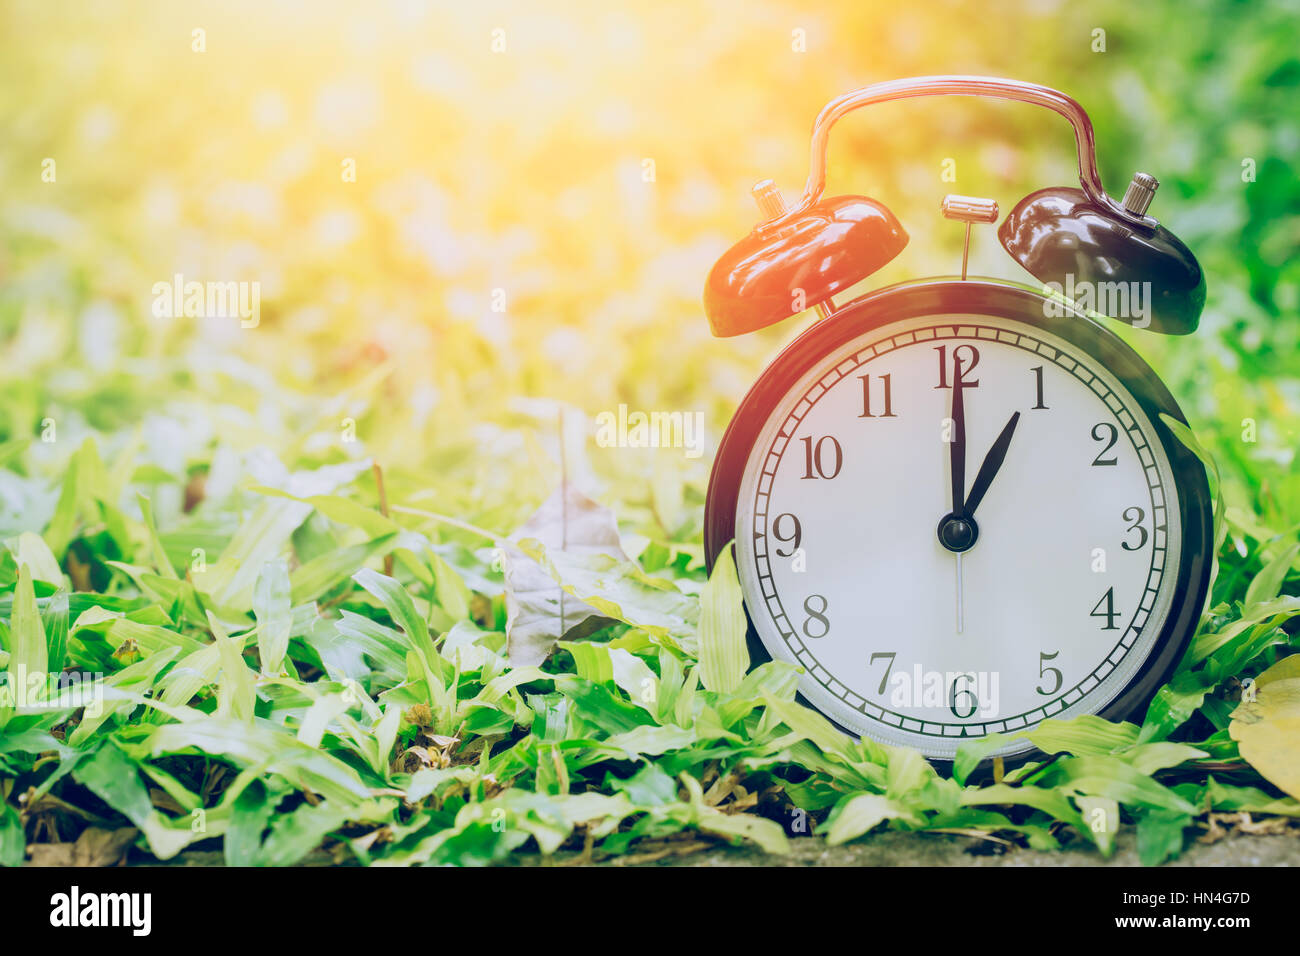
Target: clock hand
x,y
956,532
959,596
957,448
989,469
957,466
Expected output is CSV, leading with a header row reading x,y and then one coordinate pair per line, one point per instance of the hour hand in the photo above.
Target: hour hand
x,y
989,469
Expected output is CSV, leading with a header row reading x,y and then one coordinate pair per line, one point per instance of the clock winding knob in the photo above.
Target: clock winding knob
x,y
1141,190
771,203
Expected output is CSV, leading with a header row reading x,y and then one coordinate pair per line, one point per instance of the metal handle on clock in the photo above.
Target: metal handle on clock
x,y
993,87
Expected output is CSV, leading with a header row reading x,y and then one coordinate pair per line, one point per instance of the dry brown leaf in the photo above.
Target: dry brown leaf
x,y
1213,832
1288,668
1267,729
413,758
743,800
672,849
95,847
1218,826
1268,826
538,611
165,801
47,806
720,790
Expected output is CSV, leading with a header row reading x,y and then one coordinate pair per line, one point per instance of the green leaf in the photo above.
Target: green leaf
x,y
160,560
1082,735
972,750
385,731
1188,438
592,661
342,510
136,679
1175,703
1268,583
858,813
115,780
449,588
1111,777
594,703
235,693
383,645
1226,797
602,663
263,536
54,620
255,745
294,835
1160,835
318,717
84,476
322,574
29,653
12,450
647,741
1101,821
809,725
401,608
1268,613
1161,755
766,833
906,772
724,657
271,606
1053,803
250,815
36,554
648,787
13,841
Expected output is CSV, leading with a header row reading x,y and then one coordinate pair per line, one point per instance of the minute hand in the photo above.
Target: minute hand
x,y
989,469
957,449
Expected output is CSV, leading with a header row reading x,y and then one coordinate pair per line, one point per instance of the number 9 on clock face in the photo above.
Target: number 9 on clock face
x,y
963,522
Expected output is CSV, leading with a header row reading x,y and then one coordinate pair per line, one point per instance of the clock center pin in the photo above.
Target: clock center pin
x,y
958,533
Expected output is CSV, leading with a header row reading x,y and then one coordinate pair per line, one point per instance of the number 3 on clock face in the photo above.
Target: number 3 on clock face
x,y
959,524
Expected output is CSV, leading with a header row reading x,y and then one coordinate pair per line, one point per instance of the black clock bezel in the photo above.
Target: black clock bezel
x,y
1002,300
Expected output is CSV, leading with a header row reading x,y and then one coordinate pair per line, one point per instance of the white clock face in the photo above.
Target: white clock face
x,y
1052,609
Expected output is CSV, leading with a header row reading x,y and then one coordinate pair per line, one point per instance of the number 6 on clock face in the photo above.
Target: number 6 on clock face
x,y
993,526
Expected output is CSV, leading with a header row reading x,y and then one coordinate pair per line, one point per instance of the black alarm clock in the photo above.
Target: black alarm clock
x,y
954,503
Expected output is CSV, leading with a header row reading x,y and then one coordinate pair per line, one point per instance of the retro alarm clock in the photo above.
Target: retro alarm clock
x,y
953,501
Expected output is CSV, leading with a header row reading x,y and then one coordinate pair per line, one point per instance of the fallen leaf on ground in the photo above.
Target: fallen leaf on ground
x,y
1267,729
95,847
538,611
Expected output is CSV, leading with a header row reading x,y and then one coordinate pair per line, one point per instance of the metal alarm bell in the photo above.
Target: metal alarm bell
x,y
801,256
1062,237
793,263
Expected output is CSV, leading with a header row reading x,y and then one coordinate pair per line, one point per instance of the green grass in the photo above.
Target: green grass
x,y
286,694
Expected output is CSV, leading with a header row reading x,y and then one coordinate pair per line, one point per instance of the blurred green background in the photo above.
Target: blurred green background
x,y
522,169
